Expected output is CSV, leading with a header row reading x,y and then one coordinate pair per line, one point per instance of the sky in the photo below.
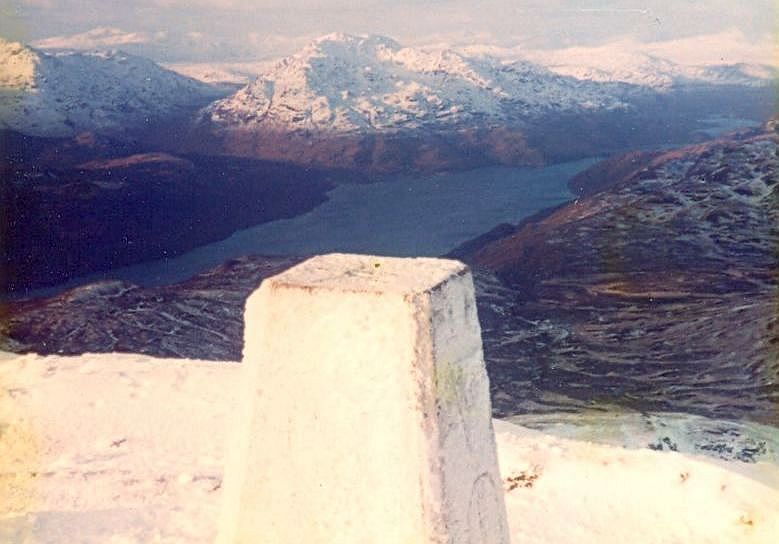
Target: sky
x,y
233,29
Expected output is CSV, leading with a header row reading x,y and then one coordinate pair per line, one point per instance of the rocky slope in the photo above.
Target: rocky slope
x,y
199,318
77,206
655,290
66,92
203,317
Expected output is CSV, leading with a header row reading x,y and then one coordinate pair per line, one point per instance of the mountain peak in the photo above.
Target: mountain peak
x,y
372,40
65,92
19,65
345,83
343,44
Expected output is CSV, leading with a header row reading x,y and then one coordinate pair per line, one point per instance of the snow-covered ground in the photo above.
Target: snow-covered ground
x,y
125,449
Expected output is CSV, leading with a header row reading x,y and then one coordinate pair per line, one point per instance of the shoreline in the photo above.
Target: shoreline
x,y
373,225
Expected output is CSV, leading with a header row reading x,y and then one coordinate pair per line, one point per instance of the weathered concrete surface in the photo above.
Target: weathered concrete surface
x,y
367,411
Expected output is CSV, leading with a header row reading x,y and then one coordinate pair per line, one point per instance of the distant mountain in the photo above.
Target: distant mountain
x,y
97,38
662,74
226,74
368,103
63,93
343,84
178,44
720,59
371,104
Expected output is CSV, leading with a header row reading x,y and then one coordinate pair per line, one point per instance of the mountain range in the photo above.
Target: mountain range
x,y
109,159
370,104
342,83
648,69
366,102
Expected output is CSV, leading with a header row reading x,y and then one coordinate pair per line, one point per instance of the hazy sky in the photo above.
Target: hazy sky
x,y
283,24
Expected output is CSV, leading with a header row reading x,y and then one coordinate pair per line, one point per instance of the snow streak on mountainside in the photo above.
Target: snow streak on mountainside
x,y
59,94
346,84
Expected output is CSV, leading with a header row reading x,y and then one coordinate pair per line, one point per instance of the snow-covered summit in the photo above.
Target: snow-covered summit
x,y
335,41
95,38
124,448
343,83
60,93
627,64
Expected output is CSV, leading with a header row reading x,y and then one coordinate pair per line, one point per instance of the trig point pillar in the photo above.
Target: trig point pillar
x,y
367,417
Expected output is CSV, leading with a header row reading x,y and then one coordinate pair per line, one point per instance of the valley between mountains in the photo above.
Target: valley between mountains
x,y
653,289
109,159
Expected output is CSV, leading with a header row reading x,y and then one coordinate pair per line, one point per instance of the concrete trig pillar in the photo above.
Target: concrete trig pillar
x,y
367,414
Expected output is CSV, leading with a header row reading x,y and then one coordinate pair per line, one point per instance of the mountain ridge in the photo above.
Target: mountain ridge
x,y
342,84
371,104
631,291
62,93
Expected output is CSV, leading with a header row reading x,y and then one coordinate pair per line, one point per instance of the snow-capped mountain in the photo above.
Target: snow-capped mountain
x,y
369,103
612,64
345,84
342,84
59,94
178,44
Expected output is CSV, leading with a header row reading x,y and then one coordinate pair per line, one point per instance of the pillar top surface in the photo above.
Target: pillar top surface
x,y
369,274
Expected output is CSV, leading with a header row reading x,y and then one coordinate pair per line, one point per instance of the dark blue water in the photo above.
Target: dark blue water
x,y
420,216
405,216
